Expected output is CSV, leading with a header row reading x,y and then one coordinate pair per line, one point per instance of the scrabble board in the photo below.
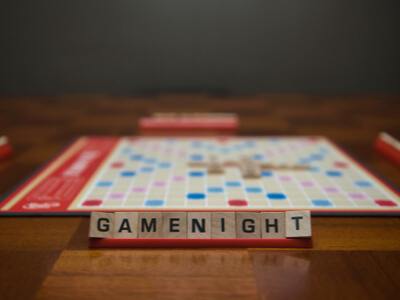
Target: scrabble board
x,y
172,174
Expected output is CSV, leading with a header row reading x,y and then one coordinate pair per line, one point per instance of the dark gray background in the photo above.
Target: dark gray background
x,y
130,47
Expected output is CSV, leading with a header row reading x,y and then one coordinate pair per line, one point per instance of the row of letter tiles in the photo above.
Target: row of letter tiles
x,y
200,225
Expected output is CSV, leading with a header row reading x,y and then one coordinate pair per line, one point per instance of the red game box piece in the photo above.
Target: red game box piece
x,y
5,148
189,124
389,147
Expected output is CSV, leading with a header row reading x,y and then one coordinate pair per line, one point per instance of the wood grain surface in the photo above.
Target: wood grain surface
x,y
48,258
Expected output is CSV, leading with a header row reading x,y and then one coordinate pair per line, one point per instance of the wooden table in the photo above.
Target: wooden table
x,y
48,258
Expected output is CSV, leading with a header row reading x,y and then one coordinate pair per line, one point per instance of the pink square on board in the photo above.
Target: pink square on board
x,y
139,190
307,183
117,195
178,178
331,189
357,196
285,178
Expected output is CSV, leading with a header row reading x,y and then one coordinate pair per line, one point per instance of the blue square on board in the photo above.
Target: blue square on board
x,y
322,202
276,196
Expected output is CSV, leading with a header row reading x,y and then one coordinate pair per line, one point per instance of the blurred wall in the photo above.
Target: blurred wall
x,y
236,46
